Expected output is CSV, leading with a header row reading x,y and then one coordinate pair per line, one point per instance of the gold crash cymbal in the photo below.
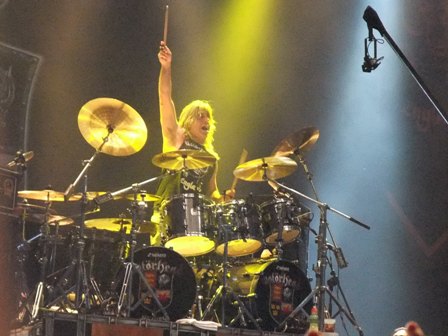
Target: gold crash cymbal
x,y
183,158
117,224
125,128
267,167
301,140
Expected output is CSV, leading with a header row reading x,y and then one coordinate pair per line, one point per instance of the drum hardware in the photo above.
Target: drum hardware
x,y
111,127
138,209
48,241
23,249
124,300
317,294
224,290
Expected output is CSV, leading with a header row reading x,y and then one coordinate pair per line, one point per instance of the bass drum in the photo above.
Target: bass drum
x,y
172,280
271,290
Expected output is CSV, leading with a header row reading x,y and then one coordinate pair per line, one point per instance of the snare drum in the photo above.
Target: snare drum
x,y
284,212
187,218
241,222
271,290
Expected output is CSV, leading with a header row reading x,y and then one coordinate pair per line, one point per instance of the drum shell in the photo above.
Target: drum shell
x,y
271,290
172,280
189,226
242,223
281,211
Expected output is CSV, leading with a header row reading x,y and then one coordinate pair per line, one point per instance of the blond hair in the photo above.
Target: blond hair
x,y
192,111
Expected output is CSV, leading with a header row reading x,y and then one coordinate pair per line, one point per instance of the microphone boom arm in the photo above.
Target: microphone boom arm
x,y
373,21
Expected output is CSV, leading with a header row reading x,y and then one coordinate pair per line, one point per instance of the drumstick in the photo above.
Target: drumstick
x,y
243,158
165,26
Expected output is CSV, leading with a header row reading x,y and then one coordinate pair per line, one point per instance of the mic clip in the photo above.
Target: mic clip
x,y
371,63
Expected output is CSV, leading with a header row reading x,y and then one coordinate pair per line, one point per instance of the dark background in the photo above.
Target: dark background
x,y
270,68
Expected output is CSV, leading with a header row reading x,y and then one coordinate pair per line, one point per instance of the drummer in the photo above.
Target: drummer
x,y
193,130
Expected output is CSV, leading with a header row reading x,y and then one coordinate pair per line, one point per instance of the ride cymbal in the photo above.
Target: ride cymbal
x,y
265,168
110,118
301,140
183,159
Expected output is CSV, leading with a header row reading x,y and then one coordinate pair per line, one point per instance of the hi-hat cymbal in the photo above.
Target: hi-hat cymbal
x,y
109,224
265,168
183,158
125,128
61,220
301,140
118,224
143,197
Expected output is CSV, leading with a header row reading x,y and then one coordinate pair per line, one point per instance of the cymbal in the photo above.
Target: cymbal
x,y
61,220
116,224
109,224
33,208
125,128
301,140
270,167
45,195
55,196
183,158
143,197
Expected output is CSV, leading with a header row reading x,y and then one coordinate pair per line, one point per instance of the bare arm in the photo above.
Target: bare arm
x,y
173,135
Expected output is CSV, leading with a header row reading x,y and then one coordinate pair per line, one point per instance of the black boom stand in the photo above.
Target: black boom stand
x,y
320,289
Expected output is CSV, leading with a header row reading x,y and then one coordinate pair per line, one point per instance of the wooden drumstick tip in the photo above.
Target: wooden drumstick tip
x,y
165,26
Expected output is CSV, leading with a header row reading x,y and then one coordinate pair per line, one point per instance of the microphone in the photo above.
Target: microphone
x,y
21,158
373,22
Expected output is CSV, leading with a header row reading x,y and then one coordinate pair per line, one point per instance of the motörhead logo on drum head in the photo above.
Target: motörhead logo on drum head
x,y
281,287
172,280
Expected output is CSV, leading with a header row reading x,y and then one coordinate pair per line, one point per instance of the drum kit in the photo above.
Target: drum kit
x,y
210,252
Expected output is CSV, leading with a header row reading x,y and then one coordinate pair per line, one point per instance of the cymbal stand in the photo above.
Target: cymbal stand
x,y
281,215
318,292
23,249
223,289
124,300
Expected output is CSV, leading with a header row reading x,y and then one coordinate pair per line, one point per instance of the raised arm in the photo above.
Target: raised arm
x,y
173,135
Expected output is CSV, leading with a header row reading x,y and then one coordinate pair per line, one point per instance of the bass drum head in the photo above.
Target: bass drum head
x,y
280,288
172,280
